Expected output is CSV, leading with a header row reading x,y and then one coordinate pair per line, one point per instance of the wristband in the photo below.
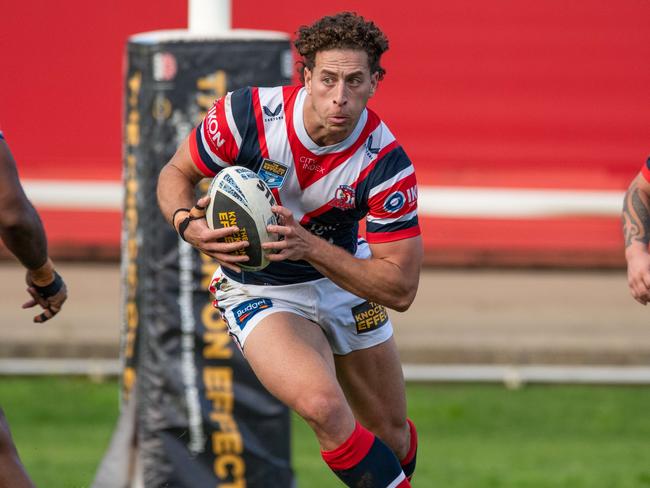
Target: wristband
x,y
52,289
197,212
174,215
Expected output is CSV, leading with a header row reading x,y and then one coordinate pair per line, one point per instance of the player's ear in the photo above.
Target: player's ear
x,y
374,82
307,74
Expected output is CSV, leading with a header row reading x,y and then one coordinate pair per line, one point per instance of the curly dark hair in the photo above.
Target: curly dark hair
x,y
345,30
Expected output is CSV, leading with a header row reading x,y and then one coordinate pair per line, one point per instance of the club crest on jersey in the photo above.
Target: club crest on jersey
x,y
272,173
394,202
369,316
344,197
248,309
272,114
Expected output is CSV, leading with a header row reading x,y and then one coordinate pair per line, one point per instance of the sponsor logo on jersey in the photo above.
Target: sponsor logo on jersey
x,y
371,151
394,202
322,229
248,309
344,197
272,173
369,316
310,164
412,194
272,114
212,125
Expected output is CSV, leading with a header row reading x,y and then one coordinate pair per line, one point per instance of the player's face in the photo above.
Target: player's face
x,y
338,90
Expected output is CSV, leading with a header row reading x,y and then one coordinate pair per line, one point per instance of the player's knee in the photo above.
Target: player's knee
x,y
321,410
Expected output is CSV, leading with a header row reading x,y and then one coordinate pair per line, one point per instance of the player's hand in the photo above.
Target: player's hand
x,y
47,290
638,276
296,242
209,241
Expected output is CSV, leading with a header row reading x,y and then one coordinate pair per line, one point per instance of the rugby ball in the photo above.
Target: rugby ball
x,y
239,197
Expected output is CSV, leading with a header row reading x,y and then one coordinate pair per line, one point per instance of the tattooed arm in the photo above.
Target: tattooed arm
x,y
636,231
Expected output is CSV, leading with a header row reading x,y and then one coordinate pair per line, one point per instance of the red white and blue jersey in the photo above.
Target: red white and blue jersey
x,y
328,188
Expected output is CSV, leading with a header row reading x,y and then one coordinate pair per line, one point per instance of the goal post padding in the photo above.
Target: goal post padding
x,y
201,417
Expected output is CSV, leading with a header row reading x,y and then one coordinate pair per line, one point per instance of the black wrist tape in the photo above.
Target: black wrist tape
x,y
175,212
182,227
52,289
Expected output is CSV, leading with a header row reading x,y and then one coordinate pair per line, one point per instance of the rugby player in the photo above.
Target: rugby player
x,y
636,232
313,324
22,233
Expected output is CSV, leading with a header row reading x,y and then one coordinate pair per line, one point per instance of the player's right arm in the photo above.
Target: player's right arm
x,y
214,144
176,201
636,232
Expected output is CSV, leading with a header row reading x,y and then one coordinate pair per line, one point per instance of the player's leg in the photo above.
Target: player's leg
x,y
12,472
292,358
373,383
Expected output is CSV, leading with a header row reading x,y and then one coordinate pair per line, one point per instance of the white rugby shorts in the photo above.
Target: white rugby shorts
x,y
350,323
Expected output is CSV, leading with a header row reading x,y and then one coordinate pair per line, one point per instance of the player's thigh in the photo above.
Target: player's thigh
x,y
292,358
373,383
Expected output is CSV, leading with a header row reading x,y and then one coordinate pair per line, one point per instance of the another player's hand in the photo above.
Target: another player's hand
x,y
638,276
296,242
210,241
47,290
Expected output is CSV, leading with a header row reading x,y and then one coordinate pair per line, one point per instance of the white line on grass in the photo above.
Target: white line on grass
x,y
514,376
511,376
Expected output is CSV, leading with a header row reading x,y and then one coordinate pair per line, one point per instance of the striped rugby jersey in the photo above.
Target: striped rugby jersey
x,y
328,189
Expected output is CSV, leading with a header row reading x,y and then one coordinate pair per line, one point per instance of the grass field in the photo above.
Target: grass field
x,y
472,436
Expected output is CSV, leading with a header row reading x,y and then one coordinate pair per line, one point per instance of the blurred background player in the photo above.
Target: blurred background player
x,y
22,232
330,162
636,232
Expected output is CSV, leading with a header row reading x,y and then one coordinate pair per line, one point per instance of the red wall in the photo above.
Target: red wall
x,y
515,93
61,80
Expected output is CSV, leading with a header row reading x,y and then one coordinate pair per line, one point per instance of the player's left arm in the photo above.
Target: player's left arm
x,y
390,277
22,232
